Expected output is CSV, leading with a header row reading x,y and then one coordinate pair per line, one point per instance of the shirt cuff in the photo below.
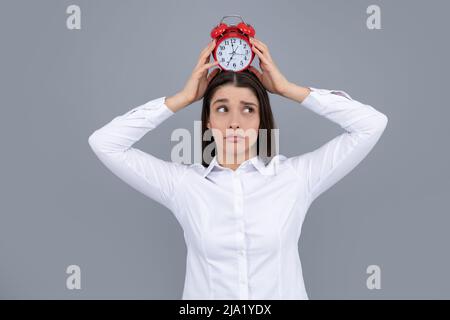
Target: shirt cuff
x,y
316,96
155,110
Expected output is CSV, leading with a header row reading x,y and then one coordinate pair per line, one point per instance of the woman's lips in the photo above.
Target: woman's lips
x,y
234,138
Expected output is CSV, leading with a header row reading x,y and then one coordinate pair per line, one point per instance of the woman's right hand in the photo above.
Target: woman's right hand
x,y
198,82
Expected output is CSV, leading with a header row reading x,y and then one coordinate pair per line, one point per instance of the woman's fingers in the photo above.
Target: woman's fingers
x,y
262,47
207,66
261,44
260,55
208,48
258,43
212,64
204,55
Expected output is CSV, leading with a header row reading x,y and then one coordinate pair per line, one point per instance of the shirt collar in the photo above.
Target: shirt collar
x,y
257,162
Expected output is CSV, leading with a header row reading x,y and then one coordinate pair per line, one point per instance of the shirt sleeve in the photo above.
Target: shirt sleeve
x,y
113,145
330,162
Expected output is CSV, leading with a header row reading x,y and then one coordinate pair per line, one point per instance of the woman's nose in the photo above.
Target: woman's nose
x,y
234,123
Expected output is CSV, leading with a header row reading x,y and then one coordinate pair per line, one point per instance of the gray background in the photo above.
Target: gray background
x,y
60,205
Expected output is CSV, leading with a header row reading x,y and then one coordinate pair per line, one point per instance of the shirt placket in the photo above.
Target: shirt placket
x,y
241,248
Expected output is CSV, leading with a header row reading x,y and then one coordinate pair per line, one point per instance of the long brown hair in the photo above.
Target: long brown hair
x,y
244,79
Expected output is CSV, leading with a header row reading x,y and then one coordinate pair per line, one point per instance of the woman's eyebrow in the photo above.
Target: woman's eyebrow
x,y
242,102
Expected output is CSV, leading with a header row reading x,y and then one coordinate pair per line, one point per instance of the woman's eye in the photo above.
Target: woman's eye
x,y
250,108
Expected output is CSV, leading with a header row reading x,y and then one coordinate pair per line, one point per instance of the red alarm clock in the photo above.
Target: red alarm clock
x,y
233,50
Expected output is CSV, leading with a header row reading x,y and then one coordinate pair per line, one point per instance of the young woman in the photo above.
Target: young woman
x,y
241,214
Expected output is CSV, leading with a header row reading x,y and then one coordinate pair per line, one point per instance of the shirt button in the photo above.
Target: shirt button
x,y
243,281
241,252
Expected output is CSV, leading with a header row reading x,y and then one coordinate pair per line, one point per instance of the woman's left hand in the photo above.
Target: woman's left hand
x,y
271,77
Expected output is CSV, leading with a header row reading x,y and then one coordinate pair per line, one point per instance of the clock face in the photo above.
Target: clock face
x,y
234,54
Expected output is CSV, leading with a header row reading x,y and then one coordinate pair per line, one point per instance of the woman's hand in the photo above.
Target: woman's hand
x,y
196,85
271,77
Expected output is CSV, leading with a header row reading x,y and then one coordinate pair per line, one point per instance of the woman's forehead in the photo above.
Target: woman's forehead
x,y
234,94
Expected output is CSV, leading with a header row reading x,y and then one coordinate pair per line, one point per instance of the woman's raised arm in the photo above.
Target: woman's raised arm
x,y
363,127
113,145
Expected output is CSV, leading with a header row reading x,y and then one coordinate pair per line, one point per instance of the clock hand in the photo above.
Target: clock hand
x,y
229,61
232,55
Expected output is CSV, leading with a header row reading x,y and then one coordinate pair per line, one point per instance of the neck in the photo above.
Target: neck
x,y
234,161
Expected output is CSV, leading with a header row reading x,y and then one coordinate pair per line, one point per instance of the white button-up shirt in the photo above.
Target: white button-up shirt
x,y
241,227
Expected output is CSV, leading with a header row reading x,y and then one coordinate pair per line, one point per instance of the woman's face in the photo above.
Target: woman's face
x,y
234,121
